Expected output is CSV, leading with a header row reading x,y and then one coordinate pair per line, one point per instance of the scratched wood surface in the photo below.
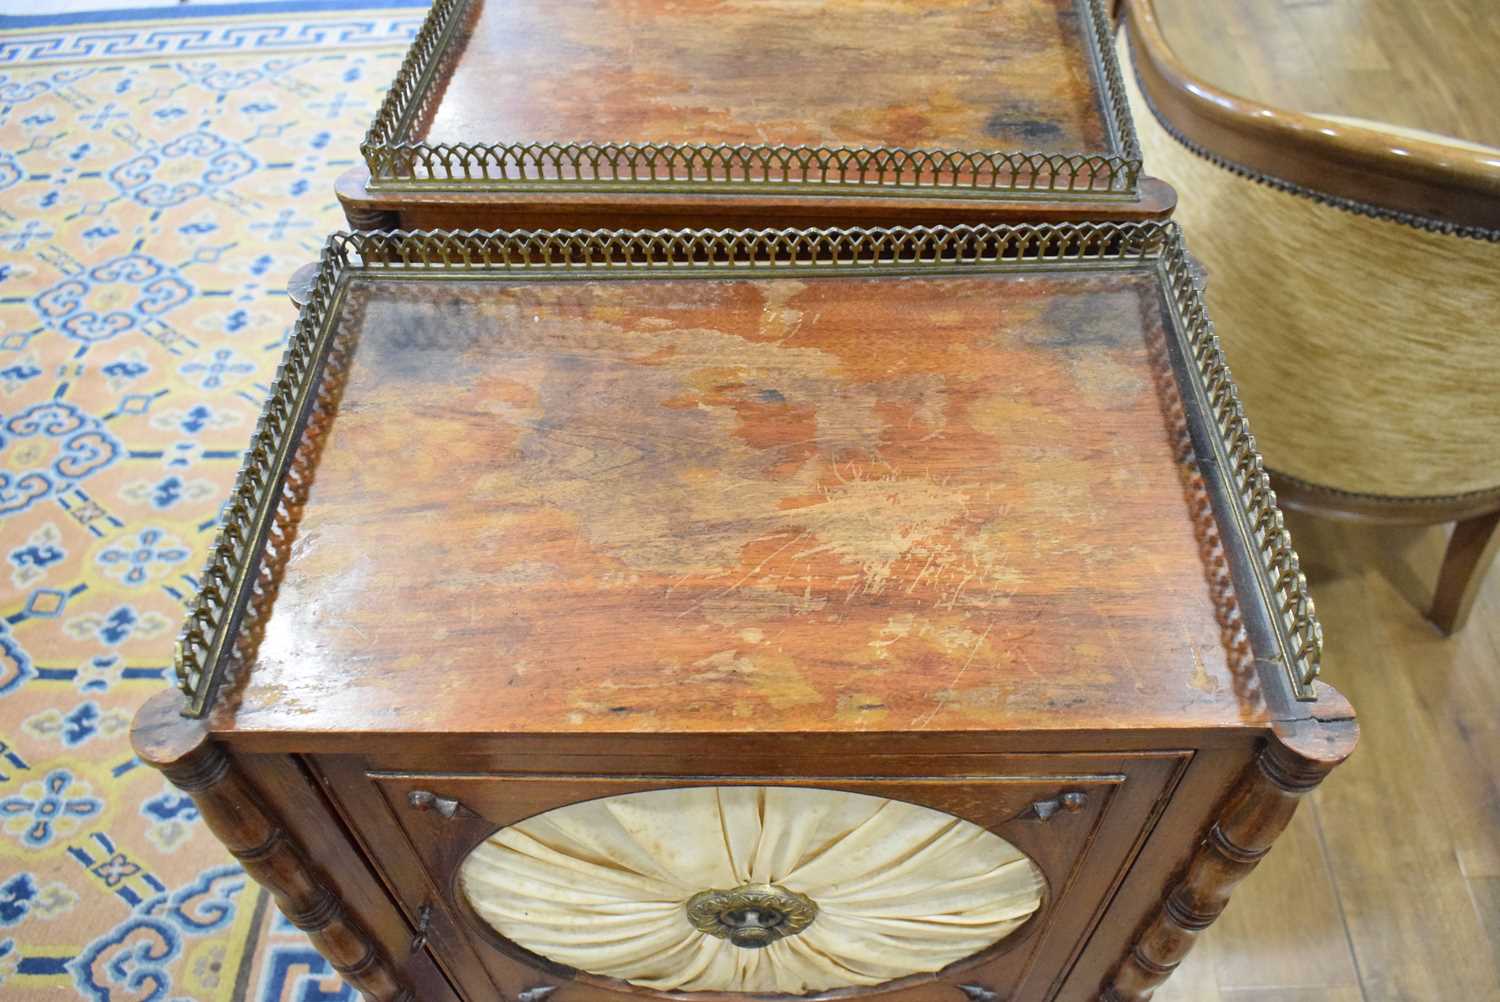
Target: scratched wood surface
x,y
893,504
957,74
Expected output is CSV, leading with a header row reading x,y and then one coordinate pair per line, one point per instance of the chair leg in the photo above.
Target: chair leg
x,y
1469,554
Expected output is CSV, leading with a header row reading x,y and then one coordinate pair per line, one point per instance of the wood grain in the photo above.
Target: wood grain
x,y
291,794
1471,552
1289,995
1018,78
666,529
1313,952
1412,853
748,506
1102,837
1423,65
1448,182
963,74
1256,811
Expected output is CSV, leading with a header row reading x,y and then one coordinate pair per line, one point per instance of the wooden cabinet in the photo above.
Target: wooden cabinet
x,y
1082,849
962,524
527,113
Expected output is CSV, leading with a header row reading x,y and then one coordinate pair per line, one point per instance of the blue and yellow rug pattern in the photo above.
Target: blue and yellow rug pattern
x,y
161,176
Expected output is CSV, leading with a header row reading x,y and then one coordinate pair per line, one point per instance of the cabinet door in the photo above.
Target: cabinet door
x,y
1077,819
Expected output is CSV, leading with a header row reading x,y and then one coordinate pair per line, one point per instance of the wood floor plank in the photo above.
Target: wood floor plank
x,y
1292,995
1486,893
1458,685
1284,923
1388,828
1409,847
1195,980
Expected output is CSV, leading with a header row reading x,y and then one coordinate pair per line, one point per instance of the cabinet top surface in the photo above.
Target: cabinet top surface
x,y
944,502
974,75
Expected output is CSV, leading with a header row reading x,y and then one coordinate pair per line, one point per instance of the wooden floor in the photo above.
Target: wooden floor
x,y
1423,64
1387,885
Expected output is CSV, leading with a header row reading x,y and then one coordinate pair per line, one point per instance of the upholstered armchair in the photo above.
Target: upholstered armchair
x,y
1353,273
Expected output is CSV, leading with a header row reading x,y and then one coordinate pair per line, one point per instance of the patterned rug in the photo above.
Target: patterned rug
x,y
160,177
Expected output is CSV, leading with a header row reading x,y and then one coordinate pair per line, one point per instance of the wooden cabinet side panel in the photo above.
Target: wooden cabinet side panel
x,y
376,210
348,788
1177,832
1154,782
718,212
310,820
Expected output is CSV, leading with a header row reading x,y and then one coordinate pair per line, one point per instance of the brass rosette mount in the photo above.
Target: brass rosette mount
x,y
751,916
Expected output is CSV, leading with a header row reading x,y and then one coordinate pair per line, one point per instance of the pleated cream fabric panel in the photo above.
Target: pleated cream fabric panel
x,y
601,886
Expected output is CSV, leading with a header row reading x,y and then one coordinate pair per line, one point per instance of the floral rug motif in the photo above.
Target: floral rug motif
x,y
162,173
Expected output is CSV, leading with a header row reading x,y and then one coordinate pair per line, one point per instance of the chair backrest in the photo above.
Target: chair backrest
x,y
1354,279
1447,182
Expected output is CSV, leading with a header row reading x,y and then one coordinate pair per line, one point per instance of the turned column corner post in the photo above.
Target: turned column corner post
x,y
300,286
361,208
1293,760
362,217
162,735
181,748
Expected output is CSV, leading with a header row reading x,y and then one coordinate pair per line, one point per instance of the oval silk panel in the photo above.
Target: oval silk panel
x,y
604,886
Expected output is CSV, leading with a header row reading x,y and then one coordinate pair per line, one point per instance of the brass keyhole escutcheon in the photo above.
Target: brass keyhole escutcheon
x,y
751,916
